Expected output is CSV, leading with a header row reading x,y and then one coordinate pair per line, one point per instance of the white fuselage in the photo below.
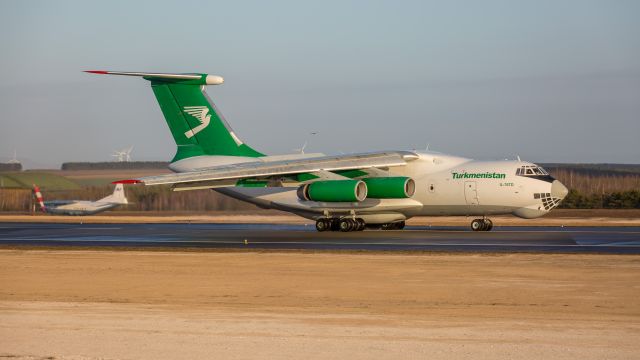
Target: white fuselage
x,y
445,185
79,207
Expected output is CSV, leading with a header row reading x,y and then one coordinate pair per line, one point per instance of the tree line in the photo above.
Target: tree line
x,y
10,167
115,165
603,187
590,183
616,200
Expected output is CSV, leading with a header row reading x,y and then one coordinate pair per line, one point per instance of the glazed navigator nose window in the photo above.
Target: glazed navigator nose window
x,y
530,170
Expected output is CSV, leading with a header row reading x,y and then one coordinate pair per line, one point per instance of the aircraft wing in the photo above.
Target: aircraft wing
x,y
215,176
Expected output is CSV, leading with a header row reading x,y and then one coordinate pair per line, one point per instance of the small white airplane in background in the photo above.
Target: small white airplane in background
x,y
81,207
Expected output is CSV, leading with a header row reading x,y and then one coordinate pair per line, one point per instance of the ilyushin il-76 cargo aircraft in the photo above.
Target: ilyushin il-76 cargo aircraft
x,y
341,192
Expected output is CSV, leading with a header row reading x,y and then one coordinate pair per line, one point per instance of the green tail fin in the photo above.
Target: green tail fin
x,y
197,126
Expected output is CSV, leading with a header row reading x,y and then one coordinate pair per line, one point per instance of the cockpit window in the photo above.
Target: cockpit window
x,y
531,170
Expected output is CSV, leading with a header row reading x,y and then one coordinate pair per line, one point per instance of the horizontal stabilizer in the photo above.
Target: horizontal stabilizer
x,y
202,79
128,181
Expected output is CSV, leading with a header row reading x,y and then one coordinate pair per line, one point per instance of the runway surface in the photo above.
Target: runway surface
x,y
618,240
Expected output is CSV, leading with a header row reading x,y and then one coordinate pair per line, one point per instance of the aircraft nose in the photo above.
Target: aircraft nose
x,y
558,190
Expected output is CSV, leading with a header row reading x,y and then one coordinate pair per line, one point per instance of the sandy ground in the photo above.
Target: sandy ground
x,y
255,305
559,217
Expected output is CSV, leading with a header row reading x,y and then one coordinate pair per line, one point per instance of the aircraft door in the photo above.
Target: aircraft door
x,y
471,193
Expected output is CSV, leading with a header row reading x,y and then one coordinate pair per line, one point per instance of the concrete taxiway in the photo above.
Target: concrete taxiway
x,y
613,240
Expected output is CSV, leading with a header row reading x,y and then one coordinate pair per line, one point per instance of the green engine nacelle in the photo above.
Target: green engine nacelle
x,y
399,187
334,191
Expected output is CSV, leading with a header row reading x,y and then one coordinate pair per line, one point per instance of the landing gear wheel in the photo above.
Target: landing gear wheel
x,y
361,224
347,225
323,225
334,224
481,225
355,225
488,225
400,225
477,225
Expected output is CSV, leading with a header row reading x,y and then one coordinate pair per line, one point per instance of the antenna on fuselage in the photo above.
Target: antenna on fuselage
x,y
518,156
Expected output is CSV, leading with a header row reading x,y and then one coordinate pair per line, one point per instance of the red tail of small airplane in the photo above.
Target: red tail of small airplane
x,y
38,195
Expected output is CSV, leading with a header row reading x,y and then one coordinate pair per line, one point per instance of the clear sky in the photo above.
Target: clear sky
x,y
551,81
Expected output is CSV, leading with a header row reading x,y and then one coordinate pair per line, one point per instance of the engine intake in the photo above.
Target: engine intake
x,y
334,191
399,187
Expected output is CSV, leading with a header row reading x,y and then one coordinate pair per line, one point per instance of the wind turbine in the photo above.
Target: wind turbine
x,y
128,153
301,150
123,155
15,158
119,155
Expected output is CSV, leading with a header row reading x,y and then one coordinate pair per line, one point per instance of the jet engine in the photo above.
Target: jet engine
x,y
334,191
398,187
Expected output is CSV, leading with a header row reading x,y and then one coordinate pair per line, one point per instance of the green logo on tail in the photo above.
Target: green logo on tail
x,y
201,114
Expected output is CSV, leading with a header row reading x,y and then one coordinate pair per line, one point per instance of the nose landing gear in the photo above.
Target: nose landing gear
x,y
481,225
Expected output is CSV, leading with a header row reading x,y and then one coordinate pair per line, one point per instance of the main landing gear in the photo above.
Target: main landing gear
x,y
353,224
344,224
481,225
